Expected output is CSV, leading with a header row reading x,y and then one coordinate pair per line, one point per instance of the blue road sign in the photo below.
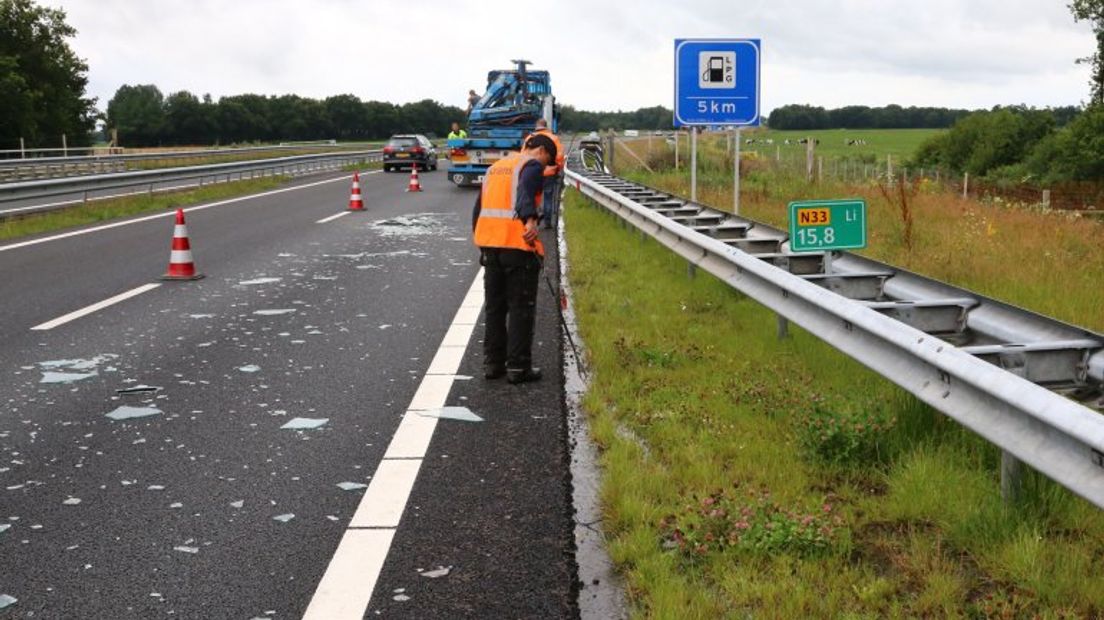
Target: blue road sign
x,y
717,82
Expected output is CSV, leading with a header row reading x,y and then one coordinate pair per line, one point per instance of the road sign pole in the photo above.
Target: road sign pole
x,y
693,164
736,176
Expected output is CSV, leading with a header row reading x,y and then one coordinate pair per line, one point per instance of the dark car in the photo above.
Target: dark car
x,y
407,150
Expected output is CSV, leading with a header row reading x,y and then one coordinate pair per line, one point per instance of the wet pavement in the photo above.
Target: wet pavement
x,y
198,450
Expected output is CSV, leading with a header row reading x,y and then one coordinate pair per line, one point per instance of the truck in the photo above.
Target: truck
x,y
499,122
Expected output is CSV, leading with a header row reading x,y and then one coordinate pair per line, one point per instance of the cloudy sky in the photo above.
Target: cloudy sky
x,y
602,55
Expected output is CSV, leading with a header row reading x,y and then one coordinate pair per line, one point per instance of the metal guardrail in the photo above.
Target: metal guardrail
x,y
1029,384
82,185
47,167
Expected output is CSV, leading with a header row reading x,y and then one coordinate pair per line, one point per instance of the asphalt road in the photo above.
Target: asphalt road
x,y
174,513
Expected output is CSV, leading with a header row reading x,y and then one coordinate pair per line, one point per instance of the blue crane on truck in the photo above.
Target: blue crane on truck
x,y
500,121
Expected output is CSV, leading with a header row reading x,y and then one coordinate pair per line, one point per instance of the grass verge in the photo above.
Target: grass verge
x,y
751,477
115,208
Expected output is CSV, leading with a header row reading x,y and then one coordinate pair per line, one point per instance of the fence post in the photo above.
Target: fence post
x,y
778,153
1046,198
64,146
820,169
676,149
965,185
22,149
808,159
889,168
612,148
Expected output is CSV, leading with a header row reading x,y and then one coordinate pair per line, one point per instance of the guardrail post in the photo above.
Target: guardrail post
x,y
1011,481
22,149
691,270
783,327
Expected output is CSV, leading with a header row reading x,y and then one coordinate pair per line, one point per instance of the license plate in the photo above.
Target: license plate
x,y
402,155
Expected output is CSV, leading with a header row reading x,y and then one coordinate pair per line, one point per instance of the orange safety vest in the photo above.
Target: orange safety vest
x,y
498,225
559,149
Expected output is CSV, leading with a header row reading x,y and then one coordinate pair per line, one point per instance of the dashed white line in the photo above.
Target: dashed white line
x,y
333,217
76,314
346,588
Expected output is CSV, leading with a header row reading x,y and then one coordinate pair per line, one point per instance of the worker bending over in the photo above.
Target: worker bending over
x,y
505,221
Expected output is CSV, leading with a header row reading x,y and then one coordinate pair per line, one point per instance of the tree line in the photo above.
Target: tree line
x,y
1021,145
888,117
142,116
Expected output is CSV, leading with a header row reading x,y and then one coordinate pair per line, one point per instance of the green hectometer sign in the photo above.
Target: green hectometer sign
x,y
817,225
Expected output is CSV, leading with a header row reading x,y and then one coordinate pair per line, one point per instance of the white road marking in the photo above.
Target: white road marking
x,y
85,231
61,320
412,438
385,499
351,576
446,361
333,217
433,391
346,588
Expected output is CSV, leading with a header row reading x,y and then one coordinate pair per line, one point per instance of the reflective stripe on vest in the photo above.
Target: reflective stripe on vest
x,y
498,225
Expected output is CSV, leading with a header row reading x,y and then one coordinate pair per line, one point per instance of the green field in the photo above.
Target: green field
x,y
899,143
747,477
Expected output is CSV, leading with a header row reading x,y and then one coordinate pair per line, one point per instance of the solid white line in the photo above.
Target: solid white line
x,y
61,320
447,361
385,498
346,588
411,441
351,576
432,393
333,217
85,231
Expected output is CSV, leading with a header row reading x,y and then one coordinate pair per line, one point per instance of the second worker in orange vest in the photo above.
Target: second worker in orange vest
x,y
505,222
553,175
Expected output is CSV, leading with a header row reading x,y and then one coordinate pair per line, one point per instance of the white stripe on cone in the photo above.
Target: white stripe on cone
x,y
178,257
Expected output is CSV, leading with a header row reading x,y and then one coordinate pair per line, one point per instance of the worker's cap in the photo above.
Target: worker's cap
x,y
544,142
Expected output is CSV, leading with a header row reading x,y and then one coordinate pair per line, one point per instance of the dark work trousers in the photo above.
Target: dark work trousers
x,y
550,209
510,283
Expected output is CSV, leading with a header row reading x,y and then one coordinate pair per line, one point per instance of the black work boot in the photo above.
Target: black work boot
x,y
523,376
494,371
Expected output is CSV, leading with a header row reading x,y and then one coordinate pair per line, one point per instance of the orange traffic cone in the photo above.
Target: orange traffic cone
x,y
355,202
414,186
181,266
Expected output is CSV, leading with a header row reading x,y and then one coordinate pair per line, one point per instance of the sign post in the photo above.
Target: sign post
x,y
693,164
736,176
716,83
826,225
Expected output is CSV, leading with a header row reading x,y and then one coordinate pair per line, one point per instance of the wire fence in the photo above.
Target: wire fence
x,y
659,152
